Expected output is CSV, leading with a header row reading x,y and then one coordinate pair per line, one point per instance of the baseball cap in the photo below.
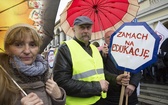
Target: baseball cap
x,y
83,20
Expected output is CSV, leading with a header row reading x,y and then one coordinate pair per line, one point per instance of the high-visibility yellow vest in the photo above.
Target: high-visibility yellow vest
x,y
85,68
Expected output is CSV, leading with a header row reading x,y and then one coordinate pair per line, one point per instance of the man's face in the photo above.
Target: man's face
x,y
107,37
83,32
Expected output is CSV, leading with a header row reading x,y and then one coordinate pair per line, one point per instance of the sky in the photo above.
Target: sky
x,y
61,7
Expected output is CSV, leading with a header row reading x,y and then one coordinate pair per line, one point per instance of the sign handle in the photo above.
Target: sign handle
x,y
122,93
126,99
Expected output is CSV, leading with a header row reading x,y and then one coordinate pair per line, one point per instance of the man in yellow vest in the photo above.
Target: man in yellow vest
x,y
79,67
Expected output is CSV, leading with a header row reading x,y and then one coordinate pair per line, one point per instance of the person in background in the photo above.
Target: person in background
x,y
28,69
79,67
113,93
166,63
96,44
161,68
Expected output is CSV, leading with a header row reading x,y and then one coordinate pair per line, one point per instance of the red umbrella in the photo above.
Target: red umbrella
x,y
106,14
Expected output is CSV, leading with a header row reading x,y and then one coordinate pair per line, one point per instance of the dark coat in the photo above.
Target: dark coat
x,y
113,94
166,59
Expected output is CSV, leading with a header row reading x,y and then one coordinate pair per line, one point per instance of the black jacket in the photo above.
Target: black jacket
x,y
113,94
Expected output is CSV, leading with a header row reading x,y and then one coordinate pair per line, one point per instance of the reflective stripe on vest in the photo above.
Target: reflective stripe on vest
x,y
87,74
85,68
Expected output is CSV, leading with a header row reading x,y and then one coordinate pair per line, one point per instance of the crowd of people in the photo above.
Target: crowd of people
x,y
82,74
157,73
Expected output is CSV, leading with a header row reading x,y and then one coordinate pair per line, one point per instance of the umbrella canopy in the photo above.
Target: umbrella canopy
x,y
106,14
11,12
49,17
40,13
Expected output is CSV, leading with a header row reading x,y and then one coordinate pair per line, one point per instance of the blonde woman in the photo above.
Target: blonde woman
x,y
23,63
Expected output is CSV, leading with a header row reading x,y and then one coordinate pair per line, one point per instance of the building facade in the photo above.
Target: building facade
x,y
152,11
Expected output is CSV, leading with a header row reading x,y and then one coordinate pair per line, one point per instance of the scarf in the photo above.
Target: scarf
x,y
38,67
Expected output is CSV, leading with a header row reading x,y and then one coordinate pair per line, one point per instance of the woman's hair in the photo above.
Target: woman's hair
x,y
8,90
18,32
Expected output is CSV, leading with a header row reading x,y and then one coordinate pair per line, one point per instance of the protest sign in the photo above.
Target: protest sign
x,y
134,46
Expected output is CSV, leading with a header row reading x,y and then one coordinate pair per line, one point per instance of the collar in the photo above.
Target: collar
x,y
81,43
